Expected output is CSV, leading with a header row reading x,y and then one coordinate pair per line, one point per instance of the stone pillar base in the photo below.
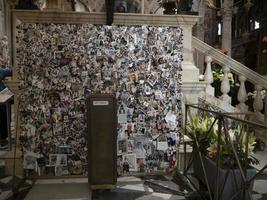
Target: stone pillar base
x,y
210,90
190,73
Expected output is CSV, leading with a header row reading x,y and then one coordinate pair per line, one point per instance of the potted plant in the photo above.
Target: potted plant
x,y
205,132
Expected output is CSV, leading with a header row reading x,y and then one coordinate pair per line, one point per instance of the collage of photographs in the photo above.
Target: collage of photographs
x,y
141,65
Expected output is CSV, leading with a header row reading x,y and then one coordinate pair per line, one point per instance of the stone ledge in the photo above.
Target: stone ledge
x,y
194,86
100,18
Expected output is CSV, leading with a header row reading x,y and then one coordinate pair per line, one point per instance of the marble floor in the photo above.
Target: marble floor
x,y
129,188
260,184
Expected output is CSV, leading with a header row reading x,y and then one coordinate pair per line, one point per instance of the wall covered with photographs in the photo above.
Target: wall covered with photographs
x,y
60,64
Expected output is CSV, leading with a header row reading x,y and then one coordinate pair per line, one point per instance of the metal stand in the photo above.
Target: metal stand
x,y
223,121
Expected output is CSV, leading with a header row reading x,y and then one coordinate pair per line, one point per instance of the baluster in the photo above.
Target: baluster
x,y
208,77
258,104
225,86
242,95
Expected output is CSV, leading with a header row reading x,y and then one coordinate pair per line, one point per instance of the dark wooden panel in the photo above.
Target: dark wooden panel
x,y
102,125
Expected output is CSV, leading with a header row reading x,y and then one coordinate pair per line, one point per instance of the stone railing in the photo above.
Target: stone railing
x,y
244,74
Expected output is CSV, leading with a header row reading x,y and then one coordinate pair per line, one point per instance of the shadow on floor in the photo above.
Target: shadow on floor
x,y
117,194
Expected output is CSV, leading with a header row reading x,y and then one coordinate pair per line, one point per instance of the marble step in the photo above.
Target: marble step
x,y
5,194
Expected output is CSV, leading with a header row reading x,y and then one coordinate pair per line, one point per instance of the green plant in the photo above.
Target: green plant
x,y
201,130
205,131
238,138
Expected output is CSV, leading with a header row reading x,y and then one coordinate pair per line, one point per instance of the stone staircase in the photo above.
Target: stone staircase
x,y
224,102
241,71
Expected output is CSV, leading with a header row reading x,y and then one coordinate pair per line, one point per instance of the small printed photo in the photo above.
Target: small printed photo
x,y
58,55
130,146
53,159
122,146
64,149
58,170
130,159
140,164
131,127
58,160
61,170
62,159
122,116
30,160
162,138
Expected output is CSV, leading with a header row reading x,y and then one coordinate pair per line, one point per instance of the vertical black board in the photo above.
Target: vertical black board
x,y
102,139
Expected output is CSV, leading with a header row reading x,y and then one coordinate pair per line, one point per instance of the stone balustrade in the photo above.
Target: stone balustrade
x,y
240,71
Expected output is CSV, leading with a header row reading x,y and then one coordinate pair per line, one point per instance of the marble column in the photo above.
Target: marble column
x,y
199,30
2,18
227,25
190,72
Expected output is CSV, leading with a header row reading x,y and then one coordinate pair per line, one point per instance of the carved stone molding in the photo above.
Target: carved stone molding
x,y
99,18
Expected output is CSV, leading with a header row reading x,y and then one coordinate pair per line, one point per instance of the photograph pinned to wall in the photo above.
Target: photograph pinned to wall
x,y
171,120
131,128
62,159
140,164
141,128
139,142
129,114
161,143
75,167
58,54
122,133
30,160
130,159
122,115
172,138
130,146
119,165
58,159
52,159
58,170
61,170
141,119
64,149
162,138
149,147
122,146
